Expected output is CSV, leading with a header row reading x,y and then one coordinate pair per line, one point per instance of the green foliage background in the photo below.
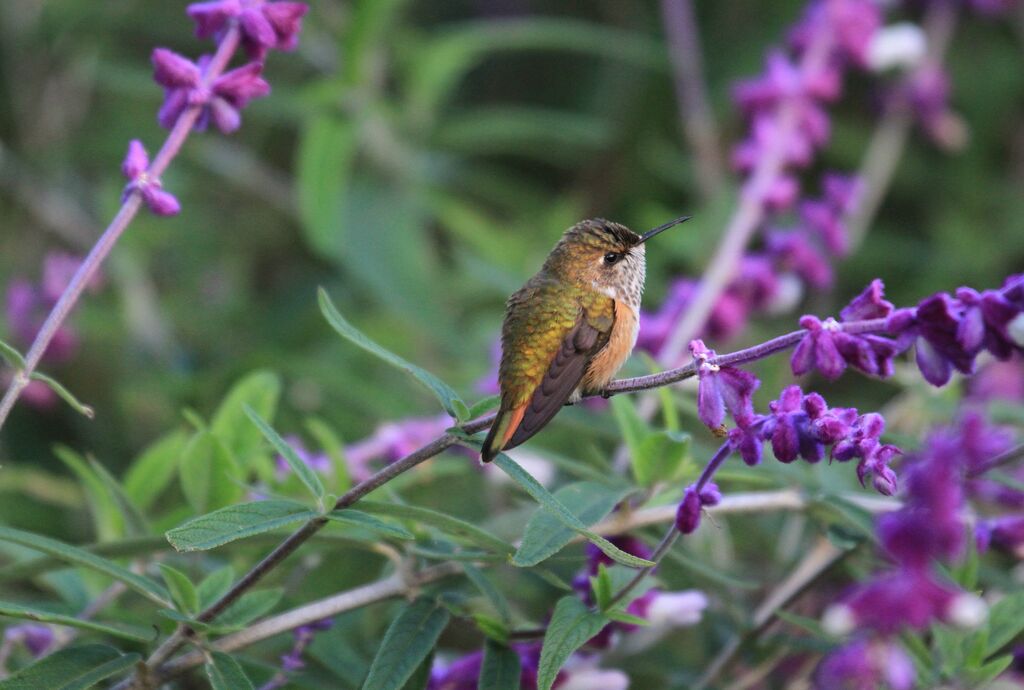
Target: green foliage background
x,y
418,160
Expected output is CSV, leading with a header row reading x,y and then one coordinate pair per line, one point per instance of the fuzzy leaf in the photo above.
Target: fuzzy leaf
x,y
446,523
182,590
236,522
210,477
225,673
64,394
152,471
546,533
441,390
500,669
14,610
408,641
564,515
572,624
76,556
358,518
303,471
74,668
259,390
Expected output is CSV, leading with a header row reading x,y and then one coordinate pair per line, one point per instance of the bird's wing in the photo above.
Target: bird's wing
x,y
548,337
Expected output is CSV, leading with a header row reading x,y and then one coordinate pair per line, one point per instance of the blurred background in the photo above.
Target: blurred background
x,y
419,160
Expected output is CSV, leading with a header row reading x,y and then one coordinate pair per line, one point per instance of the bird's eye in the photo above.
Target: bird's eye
x,y
611,257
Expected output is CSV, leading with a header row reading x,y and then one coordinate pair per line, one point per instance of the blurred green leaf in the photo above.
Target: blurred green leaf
x,y
81,557
571,625
446,523
563,514
481,407
65,395
15,610
236,522
181,588
487,588
1005,622
225,673
442,391
356,518
500,669
601,586
11,354
335,449
408,641
153,470
259,390
655,455
551,135
326,153
215,585
546,533
74,668
249,607
107,517
210,477
135,522
421,676
303,471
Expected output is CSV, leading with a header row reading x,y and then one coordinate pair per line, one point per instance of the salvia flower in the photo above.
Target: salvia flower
x,y
464,673
264,25
38,639
392,441
694,501
789,427
722,388
136,170
222,102
866,665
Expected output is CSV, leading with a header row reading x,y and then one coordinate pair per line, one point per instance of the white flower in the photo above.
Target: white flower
x,y
677,608
901,45
595,679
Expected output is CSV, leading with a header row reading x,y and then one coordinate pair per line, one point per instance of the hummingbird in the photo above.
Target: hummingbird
x,y
570,328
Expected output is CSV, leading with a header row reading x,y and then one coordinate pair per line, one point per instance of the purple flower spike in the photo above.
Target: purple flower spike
x,y
688,514
173,70
789,428
864,665
722,388
870,304
747,442
818,349
264,25
136,169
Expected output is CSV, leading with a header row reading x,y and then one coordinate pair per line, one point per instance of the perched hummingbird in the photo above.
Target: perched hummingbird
x,y
569,328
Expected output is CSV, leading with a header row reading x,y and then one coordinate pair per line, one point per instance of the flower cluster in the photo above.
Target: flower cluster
x,y
930,527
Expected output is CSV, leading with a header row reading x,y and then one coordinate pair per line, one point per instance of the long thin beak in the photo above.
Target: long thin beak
x,y
662,228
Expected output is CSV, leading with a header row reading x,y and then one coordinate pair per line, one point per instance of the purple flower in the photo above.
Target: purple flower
x,y
862,442
136,170
37,638
464,672
688,513
392,441
793,251
264,25
789,429
1005,533
222,101
747,442
722,388
865,665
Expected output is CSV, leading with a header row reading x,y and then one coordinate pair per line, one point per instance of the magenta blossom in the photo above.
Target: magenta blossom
x,y
136,170
221,102
264,25
721,388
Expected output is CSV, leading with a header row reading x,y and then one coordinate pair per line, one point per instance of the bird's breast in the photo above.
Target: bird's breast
x,y
610,359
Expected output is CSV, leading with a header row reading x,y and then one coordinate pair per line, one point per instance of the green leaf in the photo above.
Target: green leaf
x,y
249,607
1005,622
572,624
135,522
421,676
950,645
446,523
215,585
152,471
621,616
700,567
11,354
601,586
655,455
260,391
236,522
14,610
335,449
81,557
326,151
546,533
65,395
990,671
107,515
442,391
500,669
74,668
481,407
181,588
360,519
487,588
564,515
225,673
408,641
303,471
210,477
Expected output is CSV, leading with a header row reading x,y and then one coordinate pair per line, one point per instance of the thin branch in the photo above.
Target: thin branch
x,y
129,208
1005,458
697,118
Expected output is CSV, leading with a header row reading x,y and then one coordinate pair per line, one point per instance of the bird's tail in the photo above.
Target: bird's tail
x,y
504,425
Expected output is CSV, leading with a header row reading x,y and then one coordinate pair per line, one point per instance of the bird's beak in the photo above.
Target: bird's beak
x,y
662,228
